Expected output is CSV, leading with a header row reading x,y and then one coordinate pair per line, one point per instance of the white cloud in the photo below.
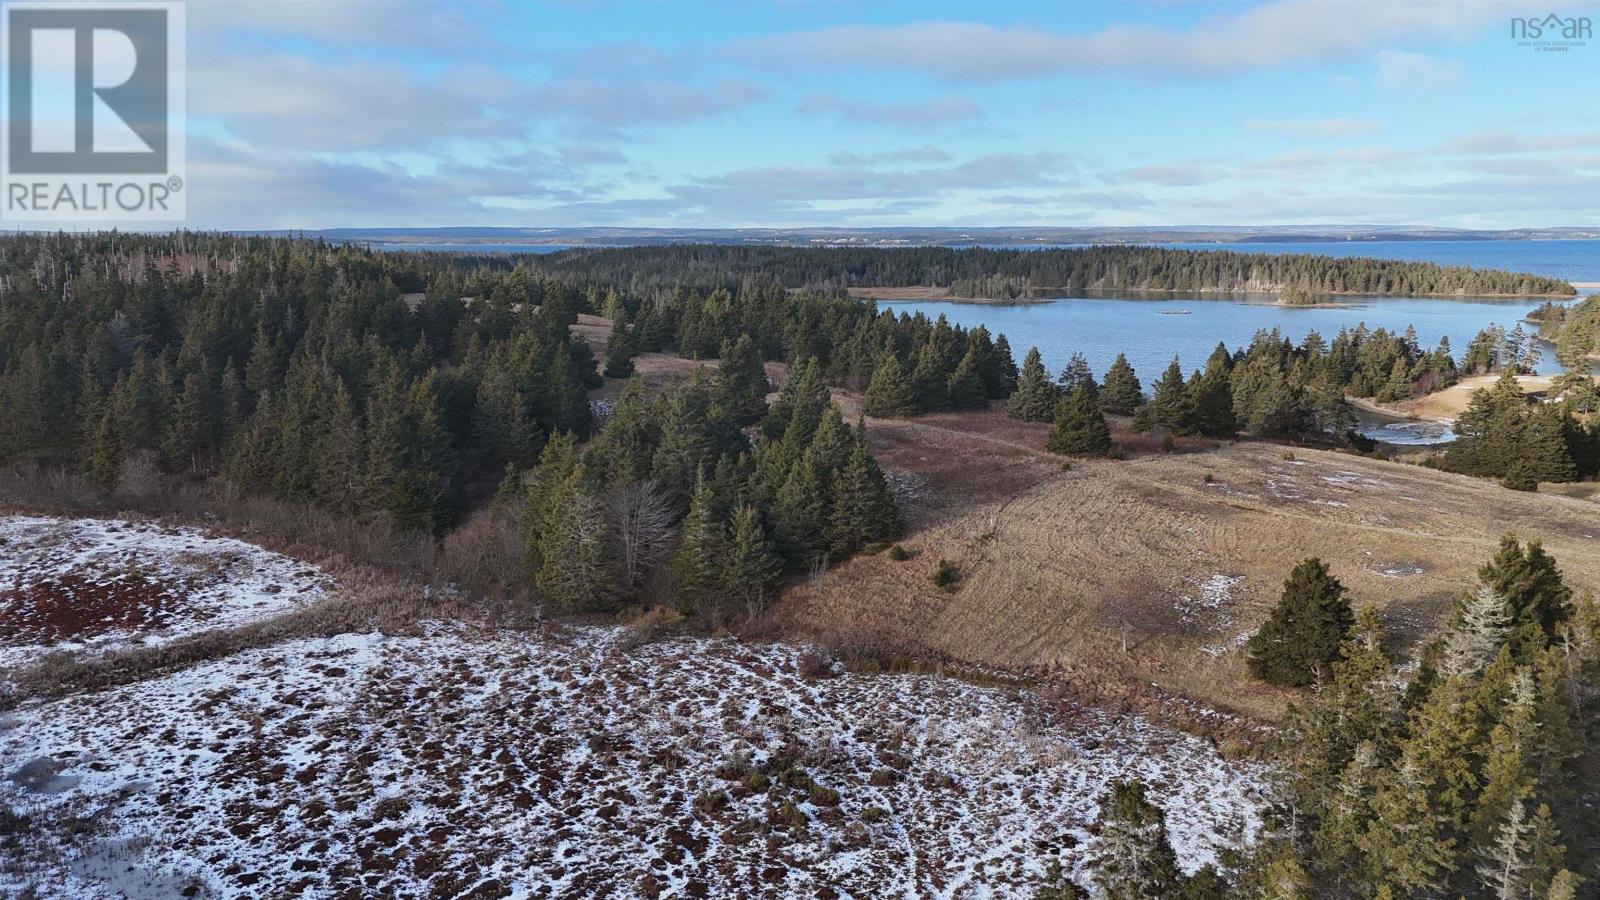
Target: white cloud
x,y
903,155
1275,34
1400,70
1313,128
939,111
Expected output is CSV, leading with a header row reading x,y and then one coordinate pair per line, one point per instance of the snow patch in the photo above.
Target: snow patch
x,y
95,584
573,766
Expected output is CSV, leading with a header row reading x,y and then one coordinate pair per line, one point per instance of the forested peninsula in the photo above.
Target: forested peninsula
x,y
1005,274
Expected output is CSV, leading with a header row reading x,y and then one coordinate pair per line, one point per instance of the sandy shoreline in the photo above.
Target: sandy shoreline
x,y
1448,404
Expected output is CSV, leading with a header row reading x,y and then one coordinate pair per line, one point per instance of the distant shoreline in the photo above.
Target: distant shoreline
x,y
934,293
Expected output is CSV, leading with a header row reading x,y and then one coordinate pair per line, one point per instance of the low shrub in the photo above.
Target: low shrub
x,y
899,553
814,665
789,816
947,575
822,796
709,802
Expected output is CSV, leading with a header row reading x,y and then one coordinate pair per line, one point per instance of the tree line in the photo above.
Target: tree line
x,y
1574,329
1272,388
994,273
409,388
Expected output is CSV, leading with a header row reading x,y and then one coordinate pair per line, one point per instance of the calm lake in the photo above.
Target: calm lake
x,y
1152,331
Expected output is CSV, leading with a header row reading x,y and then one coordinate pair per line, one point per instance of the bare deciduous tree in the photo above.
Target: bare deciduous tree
x,y
641,520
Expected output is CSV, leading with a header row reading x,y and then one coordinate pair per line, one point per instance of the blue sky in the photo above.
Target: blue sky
x,y
850,113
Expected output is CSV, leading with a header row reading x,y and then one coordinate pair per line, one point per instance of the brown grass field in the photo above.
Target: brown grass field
x,y
1122,579
1061,569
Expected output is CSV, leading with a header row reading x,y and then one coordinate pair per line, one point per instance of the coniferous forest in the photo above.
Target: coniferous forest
x,y
420,390
981,272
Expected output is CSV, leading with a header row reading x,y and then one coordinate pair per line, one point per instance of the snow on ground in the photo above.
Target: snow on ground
x,y
80,584
508,764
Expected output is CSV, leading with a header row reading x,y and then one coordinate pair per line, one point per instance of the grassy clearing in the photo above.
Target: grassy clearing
x,y
1137,580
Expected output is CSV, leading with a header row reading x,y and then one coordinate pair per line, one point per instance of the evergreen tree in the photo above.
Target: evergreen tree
x,y
1076,375
574,573
742,381
1001,377
1080,426
1133,858
1035,398
889,395
1301,637
1170,406
625,449
621,348
1480,628
1543,447
800,517
965,388
698,566
863,507
340,453
752,566
1122,393
1213,402
930,378
1539,601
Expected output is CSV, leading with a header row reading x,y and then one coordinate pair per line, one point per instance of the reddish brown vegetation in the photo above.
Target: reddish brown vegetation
x,y
74,606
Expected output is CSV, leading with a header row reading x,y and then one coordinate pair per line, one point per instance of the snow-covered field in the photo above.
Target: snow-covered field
x,y
572,763
76,584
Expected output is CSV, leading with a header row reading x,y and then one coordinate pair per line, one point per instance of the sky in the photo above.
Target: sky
x,y
681,114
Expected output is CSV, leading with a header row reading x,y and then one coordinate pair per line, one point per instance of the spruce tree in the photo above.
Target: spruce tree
x,y
800,517
697,567
742,381
1212,393
1076,375
1170,406
965,388
625,449
1539,600
930,378
889,394
574,573
1004,370
1481,626
621,347
863,511
1035,398
1121,393
1133,857
1301,637
1080,426
751,566
1543,447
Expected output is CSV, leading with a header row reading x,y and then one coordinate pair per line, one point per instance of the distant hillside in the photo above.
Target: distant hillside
x,y
936,237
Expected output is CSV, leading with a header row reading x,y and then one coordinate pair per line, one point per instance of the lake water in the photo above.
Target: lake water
x,y
1151,331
